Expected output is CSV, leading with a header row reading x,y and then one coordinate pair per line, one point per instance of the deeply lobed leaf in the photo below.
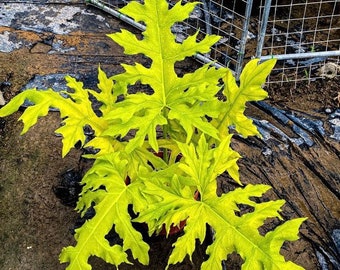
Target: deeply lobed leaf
x,y
105,186
75,109
233,233
203,165
175,101
194,123
252,78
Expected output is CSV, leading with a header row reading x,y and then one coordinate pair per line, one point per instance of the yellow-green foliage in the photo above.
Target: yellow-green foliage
x,y
181,115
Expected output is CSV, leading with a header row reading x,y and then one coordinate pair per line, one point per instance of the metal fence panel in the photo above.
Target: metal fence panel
x,y
304,35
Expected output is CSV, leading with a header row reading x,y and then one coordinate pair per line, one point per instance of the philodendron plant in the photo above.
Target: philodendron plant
x,y
191,117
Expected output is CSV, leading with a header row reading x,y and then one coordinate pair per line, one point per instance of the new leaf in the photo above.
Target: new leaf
x,y
105,187
173,99
233,232
250,89
75,109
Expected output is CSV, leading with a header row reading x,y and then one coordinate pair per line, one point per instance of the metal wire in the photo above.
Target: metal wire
x,y
305,37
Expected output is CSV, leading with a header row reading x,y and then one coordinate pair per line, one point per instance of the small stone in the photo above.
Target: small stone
x,y
40,48
2,100
329,70
328,110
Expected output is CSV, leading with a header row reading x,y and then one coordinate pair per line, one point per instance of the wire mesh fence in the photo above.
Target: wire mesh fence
x,y
304,35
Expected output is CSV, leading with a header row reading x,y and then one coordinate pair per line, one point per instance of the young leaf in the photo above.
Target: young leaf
x,y
203,165
104,186
233,233
251,80
108,93
174,98
75,108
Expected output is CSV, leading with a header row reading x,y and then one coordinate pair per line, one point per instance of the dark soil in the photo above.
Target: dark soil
x,y
35,225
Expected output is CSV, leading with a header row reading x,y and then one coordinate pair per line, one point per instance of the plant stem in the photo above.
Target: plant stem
x,y
165,133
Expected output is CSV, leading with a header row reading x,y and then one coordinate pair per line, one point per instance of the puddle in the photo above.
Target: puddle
x,y
55,81
43,82
58,83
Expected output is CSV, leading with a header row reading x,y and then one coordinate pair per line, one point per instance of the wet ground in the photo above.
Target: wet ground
x,y
298,154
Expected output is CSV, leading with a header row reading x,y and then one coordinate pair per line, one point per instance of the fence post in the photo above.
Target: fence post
x,y
264,22
243,40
